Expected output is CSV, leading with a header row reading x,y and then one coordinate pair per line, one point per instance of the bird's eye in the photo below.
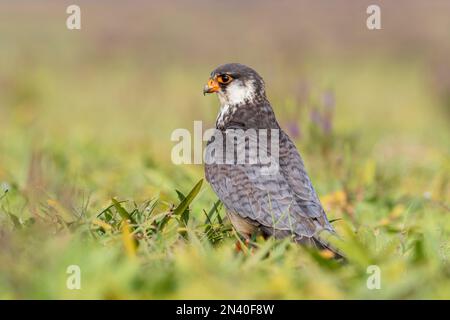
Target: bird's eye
x,y
224,78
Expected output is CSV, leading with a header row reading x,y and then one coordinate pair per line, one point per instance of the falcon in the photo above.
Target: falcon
x,y
280,202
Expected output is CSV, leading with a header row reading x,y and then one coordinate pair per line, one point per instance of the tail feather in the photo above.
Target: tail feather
x,y
321,244
313,242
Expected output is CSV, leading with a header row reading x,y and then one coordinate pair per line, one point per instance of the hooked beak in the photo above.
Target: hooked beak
x,y
212,86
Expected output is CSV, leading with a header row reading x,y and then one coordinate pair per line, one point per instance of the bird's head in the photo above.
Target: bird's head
x,y
235,84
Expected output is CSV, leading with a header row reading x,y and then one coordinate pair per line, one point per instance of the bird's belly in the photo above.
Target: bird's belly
x,y
241,225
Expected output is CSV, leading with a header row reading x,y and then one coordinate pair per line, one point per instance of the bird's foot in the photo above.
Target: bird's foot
x,y
239,245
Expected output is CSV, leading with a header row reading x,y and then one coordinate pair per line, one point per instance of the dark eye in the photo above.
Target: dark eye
x,y
224,78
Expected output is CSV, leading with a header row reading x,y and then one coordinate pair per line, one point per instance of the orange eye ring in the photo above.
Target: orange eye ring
x,y
224,78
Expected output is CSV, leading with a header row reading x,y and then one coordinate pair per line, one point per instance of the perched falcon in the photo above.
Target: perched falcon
x,y
276,200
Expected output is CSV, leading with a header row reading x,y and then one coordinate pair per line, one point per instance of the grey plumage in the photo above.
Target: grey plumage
x,y
280,203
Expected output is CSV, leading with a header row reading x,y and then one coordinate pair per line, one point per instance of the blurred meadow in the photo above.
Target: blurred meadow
x,y
86,176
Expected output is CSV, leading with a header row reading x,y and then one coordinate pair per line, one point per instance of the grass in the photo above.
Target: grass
x,y
86,177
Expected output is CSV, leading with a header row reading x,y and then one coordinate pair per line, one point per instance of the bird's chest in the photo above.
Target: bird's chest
x,y
225,115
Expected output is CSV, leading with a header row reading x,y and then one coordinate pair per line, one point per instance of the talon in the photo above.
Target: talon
x,y
238,246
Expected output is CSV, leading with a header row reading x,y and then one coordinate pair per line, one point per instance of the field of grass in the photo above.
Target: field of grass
x,y
86,177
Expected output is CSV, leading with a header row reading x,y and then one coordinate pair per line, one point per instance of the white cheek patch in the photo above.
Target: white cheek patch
x,y
237,93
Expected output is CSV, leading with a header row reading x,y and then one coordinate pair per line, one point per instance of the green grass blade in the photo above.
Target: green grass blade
x,y
184,204
122,212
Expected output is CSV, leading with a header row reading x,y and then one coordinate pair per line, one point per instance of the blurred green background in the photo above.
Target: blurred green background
x,y
86,116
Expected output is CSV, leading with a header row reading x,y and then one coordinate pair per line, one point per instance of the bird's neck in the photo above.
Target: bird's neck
x,y
257,114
